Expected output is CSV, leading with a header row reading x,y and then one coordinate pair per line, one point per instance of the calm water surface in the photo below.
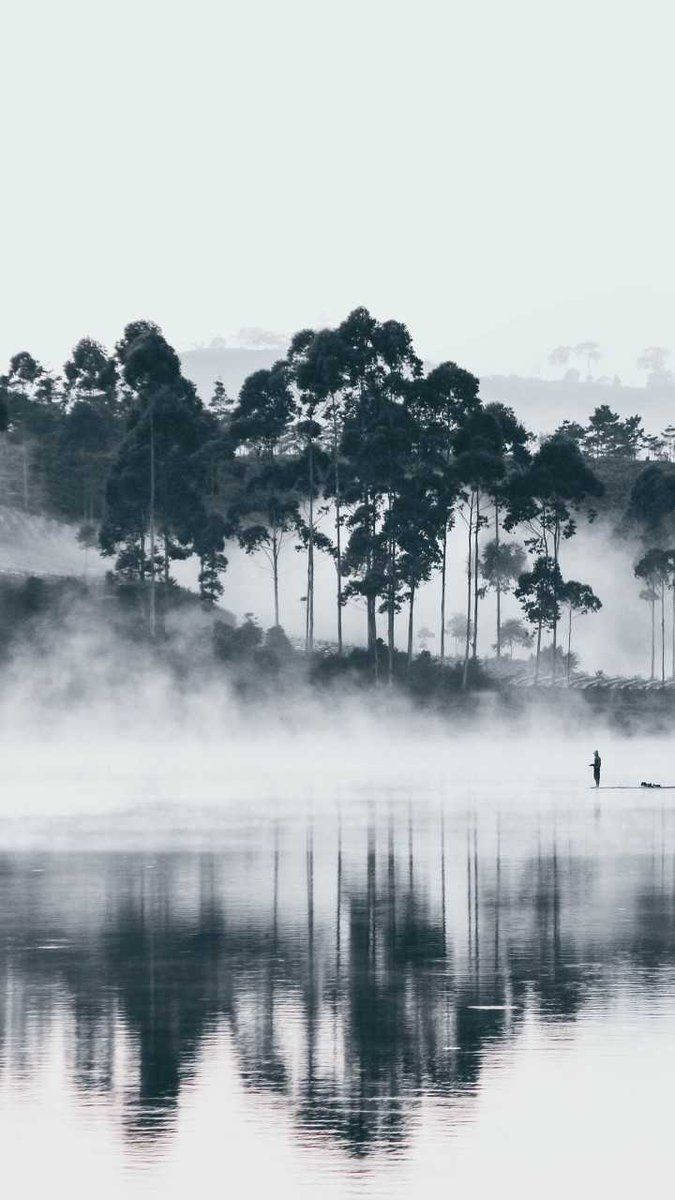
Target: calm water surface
x,y
399,995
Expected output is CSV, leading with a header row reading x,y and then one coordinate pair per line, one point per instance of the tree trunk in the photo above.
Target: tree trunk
x,y
499,586
166,558
653,606
556,546
536,667
474,643
663,633
310,555
410,625
569,644
391,553
25,476
372,633
338,526
390,641
673,637
469,576
153,615
443,585
275,573
371,599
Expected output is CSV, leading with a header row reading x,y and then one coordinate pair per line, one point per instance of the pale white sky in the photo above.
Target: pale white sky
x,y
497,174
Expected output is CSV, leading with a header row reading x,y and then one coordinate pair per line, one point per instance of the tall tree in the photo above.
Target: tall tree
x,y
514,633
33,403
655,568
581,599
608,436
516,455
590,351
500,565
91,375
650,596
154,488
447,396
264,507
540,592
545,497
320,363
479,449
381,362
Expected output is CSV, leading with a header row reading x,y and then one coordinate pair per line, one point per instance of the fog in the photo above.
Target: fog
x,y
615,640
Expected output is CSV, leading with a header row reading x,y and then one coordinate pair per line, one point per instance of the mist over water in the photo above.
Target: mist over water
x,y
326,941
321,942
404,973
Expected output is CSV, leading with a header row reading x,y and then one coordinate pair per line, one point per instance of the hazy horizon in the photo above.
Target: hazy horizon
x,y
500,185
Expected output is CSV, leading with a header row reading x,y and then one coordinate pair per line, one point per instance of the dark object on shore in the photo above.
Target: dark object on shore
x,y
596,764
650,785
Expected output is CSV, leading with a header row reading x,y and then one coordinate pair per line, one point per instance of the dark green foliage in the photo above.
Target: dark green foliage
x,y
652,499
580,597
514,633
607,436
234,643
554,486
540,593
160,472
501,563
91,375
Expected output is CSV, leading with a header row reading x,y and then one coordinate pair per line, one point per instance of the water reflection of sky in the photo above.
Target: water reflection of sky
x,y
383,1002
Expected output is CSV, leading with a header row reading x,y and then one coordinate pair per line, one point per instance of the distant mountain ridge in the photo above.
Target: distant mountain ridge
x,y
541,403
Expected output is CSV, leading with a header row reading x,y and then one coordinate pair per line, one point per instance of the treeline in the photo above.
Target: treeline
x,y
347,447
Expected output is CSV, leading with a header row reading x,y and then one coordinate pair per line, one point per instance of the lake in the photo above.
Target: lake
x,y
455,977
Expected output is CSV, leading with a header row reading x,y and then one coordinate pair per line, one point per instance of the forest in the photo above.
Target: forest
x,y
347,447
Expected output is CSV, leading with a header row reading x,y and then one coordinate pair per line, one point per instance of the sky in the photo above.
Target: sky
x,y
497,175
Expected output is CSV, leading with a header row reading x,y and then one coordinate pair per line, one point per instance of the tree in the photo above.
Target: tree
x,y
424,636
649,595
91,428
264,507
668,436
378,439
653,360
413,525
514,633
209,543
581,599
540,592
91,375
573,431
32,408
87,438
320,365
560,356
652,500
655,568
590,351
516,455
607,436
155,484
480,464
220,404
500,566
545,497
456,628
447,396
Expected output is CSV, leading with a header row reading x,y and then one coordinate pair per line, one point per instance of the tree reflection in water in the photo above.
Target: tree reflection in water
x,y
355,968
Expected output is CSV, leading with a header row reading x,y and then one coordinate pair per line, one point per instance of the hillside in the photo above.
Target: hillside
x,y
541,403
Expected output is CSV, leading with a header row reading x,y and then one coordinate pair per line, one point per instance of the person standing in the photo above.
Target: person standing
x,y
596,765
